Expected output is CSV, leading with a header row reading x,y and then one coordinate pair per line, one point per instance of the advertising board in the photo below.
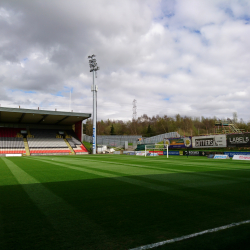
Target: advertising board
x,y
165,152
232,154
192,153
210,156
221,157
209,141
185,142
140,154
238,140
153,154
171,152
241,157
157,152
7,155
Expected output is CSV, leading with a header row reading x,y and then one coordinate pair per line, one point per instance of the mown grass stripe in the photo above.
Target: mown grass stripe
x,y
192,162
173,190
213,230
60,214
190,173
112,175
180,189
202,164
182,164
212,174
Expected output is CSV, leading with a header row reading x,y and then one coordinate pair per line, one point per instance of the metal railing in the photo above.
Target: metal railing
x,y
159,138
119,140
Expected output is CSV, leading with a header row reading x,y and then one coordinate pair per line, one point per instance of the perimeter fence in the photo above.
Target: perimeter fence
x,y
119,140
112,140
160,138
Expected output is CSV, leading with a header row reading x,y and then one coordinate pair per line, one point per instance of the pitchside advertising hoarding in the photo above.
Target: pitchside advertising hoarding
x,y
209,141
165,152
241,157
185,142
238,140
232,154
221,157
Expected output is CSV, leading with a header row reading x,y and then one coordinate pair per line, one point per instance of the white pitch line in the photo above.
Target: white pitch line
x,y
150,246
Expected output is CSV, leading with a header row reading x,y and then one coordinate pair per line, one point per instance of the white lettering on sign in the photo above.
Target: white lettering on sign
x,y
207,142
239,140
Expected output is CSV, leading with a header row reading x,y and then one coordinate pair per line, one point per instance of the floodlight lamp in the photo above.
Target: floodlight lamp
x,y
89,56
93,65
93,55
91,70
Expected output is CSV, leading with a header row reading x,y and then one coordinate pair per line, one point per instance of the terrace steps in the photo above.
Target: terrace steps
x,y
71,149
26,146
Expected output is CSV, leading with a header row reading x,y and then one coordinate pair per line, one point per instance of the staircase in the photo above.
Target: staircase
x,y
26,146
71,149
29,135
228,127
66,135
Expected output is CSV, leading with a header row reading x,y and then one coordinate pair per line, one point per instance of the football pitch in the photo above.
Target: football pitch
x,y
123,202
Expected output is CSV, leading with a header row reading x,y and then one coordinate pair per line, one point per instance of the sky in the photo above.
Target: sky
x,y
171,56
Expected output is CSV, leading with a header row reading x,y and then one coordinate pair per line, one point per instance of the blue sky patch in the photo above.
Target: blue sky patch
x,y
59,93
65,92
23,91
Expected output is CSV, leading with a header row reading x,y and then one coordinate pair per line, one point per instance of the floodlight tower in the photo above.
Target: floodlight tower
x,y
93,68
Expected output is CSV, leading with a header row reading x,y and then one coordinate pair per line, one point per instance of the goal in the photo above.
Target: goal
x,y
156,148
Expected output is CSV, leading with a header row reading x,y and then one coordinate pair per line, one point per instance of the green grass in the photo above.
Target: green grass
x,y
87,145
122,202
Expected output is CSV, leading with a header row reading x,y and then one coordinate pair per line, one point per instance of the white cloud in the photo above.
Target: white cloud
x,y
187,57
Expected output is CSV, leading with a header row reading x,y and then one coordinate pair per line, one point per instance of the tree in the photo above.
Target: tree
x,y
112,130
88,127
149,131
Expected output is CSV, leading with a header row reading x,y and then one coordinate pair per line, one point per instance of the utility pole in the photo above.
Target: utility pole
x,y
134,110
93,68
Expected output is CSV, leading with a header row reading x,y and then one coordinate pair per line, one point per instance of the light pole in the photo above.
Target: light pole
x,y
93,68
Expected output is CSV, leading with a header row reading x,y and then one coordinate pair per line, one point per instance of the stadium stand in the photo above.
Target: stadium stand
x,y
44,141
40,132
11,141
52,141
74,142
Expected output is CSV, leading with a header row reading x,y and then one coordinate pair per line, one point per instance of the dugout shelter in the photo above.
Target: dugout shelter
x,y
39,132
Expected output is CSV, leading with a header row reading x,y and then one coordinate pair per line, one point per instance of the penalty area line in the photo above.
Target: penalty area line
x,y
150,246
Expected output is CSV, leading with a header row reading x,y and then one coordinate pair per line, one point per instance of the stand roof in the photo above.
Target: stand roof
x,y
40,117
